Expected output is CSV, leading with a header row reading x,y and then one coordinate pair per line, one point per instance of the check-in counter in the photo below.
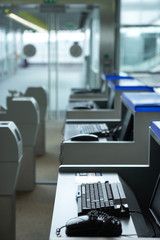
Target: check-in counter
x,y
40,95
10,163
108,109
87,93
24,112
130,147
78,94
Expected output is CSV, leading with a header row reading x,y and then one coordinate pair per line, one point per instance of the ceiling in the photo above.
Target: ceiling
x,y
70,16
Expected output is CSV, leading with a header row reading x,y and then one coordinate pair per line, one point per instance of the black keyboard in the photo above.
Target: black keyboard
x,y
107,197
99,129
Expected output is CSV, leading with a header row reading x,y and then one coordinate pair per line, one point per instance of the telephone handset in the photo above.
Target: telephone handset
x,y
84,137
93,224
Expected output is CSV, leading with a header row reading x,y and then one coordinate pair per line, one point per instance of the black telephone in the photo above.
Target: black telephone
x,y
88,107
84,105
95,223
85,137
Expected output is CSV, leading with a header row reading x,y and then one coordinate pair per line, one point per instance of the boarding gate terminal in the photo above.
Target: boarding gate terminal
x,y
108,109
119,142
40,95
10,163
24,112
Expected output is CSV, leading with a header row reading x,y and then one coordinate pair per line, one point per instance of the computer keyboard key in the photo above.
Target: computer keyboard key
x,y
100,195
88,199
79,202
93,205
83,188
121,192
106,201
124,204
115,193
96,196
109,193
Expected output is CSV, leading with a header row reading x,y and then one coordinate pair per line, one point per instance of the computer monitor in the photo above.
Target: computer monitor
x,y
126,133
111,98
154,206
103,86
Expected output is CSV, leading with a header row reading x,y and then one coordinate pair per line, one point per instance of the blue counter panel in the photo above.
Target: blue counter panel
x,y
123,84
155,126
142,101
116,77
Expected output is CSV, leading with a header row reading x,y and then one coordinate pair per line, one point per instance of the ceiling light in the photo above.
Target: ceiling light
x,y
26,23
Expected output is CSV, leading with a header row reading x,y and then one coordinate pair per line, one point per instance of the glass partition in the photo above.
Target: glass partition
x,y
52,65
140,36
138,12
3,52
140,49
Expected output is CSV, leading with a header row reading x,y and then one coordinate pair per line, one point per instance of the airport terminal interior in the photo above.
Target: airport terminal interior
x,y
79,119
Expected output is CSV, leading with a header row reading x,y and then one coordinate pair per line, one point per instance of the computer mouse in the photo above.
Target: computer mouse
x,y
84,137
94,224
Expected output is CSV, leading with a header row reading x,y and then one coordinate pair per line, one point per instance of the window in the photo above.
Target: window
x,y
140,35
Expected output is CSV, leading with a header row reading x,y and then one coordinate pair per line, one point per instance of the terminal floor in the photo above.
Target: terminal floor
x,y
34,209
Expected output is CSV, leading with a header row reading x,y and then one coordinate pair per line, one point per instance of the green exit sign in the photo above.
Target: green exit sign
x,y
49,1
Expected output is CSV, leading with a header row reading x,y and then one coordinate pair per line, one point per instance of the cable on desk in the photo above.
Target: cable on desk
x,y
58,231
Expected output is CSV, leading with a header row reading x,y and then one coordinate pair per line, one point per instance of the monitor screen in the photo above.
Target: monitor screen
x,y
126,133
155,203
111,98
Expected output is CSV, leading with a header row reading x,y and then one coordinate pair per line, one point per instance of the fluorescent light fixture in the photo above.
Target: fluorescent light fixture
x,y
26,23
